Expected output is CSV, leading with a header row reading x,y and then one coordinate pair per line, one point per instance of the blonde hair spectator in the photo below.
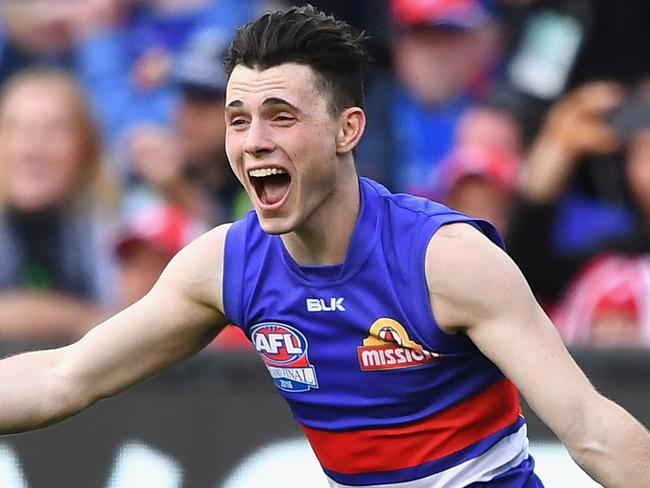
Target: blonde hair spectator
x,y
57,205
54,83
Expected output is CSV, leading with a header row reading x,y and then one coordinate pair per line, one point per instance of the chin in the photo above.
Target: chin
x,y
276,225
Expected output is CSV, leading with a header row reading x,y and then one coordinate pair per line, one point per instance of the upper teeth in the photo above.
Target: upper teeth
x,y
257,173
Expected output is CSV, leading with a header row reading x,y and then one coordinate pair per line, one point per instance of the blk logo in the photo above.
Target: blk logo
x,y
321,305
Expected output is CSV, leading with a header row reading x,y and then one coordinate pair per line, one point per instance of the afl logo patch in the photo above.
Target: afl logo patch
x,y
388,346
284,351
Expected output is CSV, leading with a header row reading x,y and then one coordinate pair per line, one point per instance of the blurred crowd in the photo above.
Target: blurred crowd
x,y
534,115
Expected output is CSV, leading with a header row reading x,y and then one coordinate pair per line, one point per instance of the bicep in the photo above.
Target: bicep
x,y
178,317
485,296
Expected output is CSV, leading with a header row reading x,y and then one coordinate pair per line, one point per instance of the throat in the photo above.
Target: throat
x,y
326,239
315,249
322,233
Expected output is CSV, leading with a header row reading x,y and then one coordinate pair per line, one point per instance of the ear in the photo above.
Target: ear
x,y
352,125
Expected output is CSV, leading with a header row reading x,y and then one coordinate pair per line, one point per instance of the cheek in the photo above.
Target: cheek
x,y
66,161
67,151
14,144
314,155
56,166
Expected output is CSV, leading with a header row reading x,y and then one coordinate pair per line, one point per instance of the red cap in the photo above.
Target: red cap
x,y
464,14
611,285
497,165
164,226
620,300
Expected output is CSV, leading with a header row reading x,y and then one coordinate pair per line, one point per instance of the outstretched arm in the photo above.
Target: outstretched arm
x,y
179,316
476,289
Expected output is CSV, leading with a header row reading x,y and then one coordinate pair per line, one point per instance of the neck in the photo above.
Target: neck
x,y
325,238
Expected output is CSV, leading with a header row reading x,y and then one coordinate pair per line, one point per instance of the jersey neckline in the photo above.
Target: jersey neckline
x,y
363,240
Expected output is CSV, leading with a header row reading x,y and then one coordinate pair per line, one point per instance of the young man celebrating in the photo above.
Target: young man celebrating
x,y
389,323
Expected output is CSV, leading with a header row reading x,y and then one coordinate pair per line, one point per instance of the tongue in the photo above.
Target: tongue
x,y
274,190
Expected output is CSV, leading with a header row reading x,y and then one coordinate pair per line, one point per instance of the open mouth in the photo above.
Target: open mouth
x,y
271,185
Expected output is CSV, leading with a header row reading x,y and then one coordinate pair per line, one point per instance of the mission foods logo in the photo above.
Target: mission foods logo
x,y
284,351
389,347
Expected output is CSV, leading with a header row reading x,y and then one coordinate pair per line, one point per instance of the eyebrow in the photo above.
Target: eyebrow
x,y
277,101
271,101
235,104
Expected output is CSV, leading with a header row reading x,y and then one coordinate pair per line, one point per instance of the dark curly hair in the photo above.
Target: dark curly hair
x,y
306,35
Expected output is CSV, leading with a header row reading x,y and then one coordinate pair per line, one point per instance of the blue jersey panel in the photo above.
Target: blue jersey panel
x,y
341,319
383,394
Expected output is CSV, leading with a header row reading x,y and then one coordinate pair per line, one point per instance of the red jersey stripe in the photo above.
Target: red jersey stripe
x,y
408,445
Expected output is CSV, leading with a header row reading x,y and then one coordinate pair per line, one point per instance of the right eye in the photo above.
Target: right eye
x,y
238,122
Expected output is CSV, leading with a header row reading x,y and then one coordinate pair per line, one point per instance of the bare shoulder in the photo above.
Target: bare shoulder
x,y
470,278
198,268
459,245
459,253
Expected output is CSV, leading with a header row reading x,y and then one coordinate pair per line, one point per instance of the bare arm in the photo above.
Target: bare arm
x,y
476,289
179,316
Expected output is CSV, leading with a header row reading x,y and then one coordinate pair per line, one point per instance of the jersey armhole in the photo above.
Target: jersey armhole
x,y
422,303
233,272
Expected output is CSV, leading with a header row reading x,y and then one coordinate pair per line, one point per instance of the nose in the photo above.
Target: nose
x,y
258,139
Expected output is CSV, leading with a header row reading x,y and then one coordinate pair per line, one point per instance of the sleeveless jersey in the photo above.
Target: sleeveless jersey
x,y
384,396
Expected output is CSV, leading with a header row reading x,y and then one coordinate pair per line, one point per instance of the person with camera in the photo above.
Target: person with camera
x,y
590,301
575,131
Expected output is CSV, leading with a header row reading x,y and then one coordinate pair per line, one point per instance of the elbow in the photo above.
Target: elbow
x,y
585,451
586,439
610,445
596,457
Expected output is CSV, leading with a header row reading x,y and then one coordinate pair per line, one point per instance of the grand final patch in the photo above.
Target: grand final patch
x,y
389,347
284,351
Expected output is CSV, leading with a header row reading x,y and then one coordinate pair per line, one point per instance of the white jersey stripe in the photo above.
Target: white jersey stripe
x,y
509,452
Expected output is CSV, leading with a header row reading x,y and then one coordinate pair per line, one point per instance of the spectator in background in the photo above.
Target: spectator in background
x,y
33,32
127,51
56,205
480,181
609,302
146,244
558,46
600,297
492,127
575,128
200,124
187,164
608,305
156,173
479,176
443,51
